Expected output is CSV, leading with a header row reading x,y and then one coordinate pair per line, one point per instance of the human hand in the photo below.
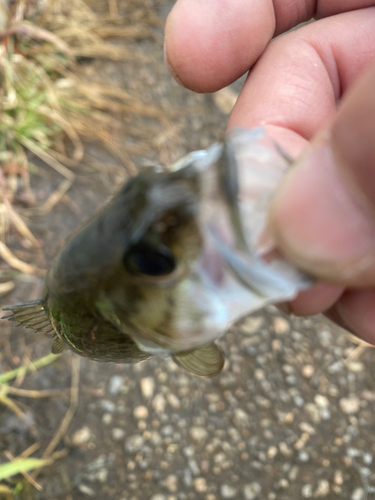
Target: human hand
x,y
323,216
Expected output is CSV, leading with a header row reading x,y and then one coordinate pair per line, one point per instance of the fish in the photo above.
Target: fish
x,y
172,261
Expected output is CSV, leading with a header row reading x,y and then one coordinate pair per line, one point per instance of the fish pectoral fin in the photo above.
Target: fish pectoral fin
x,y
204,361
58,346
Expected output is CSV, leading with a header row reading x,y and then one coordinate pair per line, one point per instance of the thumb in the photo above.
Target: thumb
x,y
323,216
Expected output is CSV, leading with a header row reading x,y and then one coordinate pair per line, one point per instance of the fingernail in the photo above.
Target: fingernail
x,y
318,218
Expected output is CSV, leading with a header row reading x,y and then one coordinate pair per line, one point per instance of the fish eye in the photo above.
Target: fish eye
x,y
150,261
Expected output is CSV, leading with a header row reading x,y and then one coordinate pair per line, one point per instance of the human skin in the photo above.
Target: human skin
x,y
313,89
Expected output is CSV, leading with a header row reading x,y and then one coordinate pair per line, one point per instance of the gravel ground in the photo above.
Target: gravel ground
x,y
291,415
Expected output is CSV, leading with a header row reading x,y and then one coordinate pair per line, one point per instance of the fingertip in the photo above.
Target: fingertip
x,y
356,310
210,44
319,298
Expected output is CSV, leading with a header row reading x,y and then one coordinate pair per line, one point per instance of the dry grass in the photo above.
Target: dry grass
x,y
23,464
48,111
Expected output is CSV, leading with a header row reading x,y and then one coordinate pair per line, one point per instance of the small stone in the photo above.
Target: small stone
x,y
252,325
115,384
306,491
158,496
308,371
355,366
171,483
241,417
195,470
86,490
306,427
147,385
198,434
173,401
158,403
284,449
323,489
358,494
283,484
102,475
281,325
303,456
140,412
272,452
107,405
188,480
293,473
134,443
321,401
367,458
200,485
107,418
349,405
228,491
252,491
117,434
210,497
81,436
313,411
338,478
167,431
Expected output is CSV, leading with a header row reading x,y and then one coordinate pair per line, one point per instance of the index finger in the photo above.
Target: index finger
x,y
211,43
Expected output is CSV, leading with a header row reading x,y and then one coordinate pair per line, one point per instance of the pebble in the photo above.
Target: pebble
x,y
158,403
349,405
228,491
313,411
117,434
107,405
140,412
171,483
81,436
188,480
308,371
107,418
272,452
321,401
134,443
198,434
303,456
355,366
241,417
367,458
252,325
306,491
338,478
252,491
147,385
200,485
102,475
195,470
281,325
115,384
158,496
173,401
323,489
358,494
86,490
